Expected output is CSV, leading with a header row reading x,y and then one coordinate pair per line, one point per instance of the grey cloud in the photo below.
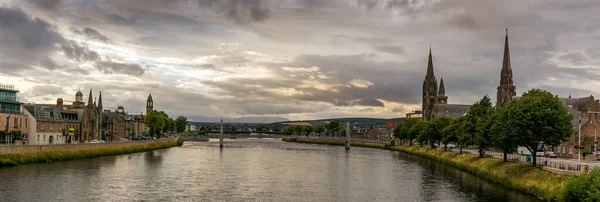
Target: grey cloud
x,y
46,4
42,90
574,58
111,67
367,110
391,49
241,11
49,64
78,52
398,109
93,34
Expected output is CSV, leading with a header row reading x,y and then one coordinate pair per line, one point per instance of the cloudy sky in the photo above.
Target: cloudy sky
x,y
296,59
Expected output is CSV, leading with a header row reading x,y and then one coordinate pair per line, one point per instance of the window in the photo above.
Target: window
x,y
51,126
41,124
15,123
38,139
25,122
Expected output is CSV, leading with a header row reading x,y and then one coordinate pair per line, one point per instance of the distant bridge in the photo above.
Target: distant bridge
x,y
217,136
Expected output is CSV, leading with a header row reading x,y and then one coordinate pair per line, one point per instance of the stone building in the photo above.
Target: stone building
x,y
584,111
434,101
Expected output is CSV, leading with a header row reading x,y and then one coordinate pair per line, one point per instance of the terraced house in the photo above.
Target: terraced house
x,y
80,122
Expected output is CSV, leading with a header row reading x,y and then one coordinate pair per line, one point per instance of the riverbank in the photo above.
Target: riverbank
x,y
526,178
334,142
16,155
529,179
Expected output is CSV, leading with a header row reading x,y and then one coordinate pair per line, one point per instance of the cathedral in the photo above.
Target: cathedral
x,y
435,102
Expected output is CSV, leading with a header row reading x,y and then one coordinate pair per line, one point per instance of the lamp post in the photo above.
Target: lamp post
x,y
579,147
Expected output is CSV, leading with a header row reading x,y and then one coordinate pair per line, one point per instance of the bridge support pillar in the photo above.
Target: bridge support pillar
x,y
221,135
347,135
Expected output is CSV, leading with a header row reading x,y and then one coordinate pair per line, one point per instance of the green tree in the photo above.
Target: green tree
x,y
320,129
539,118
155,121
504,136
181,123
333,126
414,129
401,131
464,132
308,129
288,130
434,129
451,132
479,114
420,130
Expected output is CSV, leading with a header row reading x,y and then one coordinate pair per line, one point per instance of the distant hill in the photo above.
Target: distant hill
x,y
245,119
354,120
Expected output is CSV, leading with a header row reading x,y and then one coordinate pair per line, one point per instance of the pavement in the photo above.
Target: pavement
x,y
590,161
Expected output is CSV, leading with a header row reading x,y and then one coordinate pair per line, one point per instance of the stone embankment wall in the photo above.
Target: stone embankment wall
x,y
26,149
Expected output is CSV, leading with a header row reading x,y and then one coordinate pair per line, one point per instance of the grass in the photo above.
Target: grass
x,y
529,179
43,157
335,142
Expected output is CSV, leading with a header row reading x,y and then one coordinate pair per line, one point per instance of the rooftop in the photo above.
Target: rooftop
x,y
8,88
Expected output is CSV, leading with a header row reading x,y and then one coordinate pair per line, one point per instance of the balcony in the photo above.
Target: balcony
x,y
10,111
14,99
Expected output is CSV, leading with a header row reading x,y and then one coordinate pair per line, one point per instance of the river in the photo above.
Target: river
x,y
250,170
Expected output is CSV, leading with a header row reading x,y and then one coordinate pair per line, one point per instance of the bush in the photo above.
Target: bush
x,y
584,187
393,142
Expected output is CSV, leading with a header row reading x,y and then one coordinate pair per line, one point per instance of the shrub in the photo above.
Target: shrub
x,y
393,142
585,187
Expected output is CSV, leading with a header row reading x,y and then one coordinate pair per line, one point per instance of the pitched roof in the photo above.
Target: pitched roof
x,y
44,112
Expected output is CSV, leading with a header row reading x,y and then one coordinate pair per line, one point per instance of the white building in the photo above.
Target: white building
x,y
190,127
45,125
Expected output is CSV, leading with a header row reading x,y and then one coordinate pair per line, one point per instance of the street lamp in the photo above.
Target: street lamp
x,y
579,147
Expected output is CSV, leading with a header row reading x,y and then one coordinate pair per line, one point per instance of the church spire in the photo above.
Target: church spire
x,y
430,64
442,90
90,99
506,69
100,101
506,89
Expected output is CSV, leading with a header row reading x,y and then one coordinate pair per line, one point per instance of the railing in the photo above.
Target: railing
x,y
7,87
561,164
10,111
10,98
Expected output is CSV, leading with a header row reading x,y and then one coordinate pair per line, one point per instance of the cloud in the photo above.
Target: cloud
x,y
78,52
241,11
399,109
112,67
92,34
360,83
46,4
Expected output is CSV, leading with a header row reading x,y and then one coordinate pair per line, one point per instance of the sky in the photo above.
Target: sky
x,y
292,59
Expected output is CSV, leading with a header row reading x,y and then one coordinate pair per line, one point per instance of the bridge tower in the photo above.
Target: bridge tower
x,y
221,135
347,135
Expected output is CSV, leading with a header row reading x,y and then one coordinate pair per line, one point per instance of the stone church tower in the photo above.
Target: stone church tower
x,y
442,98
149,104
430,92
506,89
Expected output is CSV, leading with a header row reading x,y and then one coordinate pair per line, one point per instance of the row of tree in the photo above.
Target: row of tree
x,y
160,122
535,119
331,127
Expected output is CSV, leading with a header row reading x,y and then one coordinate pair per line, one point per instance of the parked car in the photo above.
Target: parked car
x,y
550,154
94,142
123,139
539,153
101,141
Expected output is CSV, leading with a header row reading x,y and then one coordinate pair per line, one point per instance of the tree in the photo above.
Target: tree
x,y
155,121
451,132
414,129
181,123
464,132
308,129
479,114
420,132
289,130
401,131
539,118
434,129
333,125
320,129
504,137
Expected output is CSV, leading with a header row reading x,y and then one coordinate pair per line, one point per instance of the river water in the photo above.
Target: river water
x,y
250,170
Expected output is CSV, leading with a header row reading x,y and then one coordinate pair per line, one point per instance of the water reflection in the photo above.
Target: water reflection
x,y
250,170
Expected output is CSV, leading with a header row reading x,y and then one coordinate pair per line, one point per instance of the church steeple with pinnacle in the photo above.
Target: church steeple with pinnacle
x,y
100,102
442,98
506,89
149,104
430,91
90,99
